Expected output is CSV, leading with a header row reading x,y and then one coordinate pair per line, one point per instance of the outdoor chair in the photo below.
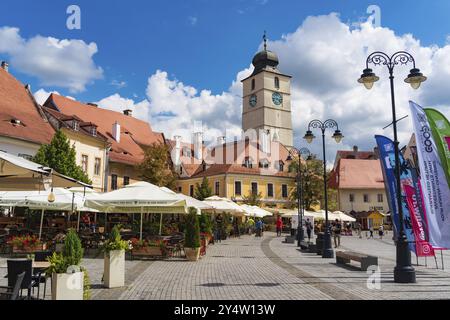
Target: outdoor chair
x,y
15,267
175,246
12,293
39,276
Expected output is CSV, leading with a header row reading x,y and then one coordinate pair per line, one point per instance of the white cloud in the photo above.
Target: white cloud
x,y
192,20
41,95
325,57
117,103
62,63
118,84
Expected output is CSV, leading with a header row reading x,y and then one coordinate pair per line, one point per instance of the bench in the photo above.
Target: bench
x,y
343,257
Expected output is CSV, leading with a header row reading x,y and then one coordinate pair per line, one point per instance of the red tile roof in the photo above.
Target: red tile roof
x,y
358,174
16,102
135,133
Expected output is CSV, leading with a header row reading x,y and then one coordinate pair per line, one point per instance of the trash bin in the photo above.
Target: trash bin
x,y
319,243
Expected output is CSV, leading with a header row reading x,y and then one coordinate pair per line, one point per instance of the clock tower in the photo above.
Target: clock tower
x,y
267,99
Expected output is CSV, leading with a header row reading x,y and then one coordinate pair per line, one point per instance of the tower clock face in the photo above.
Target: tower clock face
x,y
252,100
277,98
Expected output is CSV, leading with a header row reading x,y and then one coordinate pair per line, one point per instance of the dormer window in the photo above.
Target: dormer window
x,y
186,152
264,163
94,131
75,125
16,122
248,163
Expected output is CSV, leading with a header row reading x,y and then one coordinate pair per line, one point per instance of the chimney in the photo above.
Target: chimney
x,y
198,145
116,131
128,112
221,140
265,140
5,66
28,87
355,148
176,153
92,104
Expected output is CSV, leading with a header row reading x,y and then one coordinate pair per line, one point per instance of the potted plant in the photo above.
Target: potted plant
x,y
68,280
192,236
26,244
145,248
114,262
205,227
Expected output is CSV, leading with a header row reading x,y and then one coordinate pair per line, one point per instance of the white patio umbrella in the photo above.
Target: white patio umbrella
x,y
19,174
255,211
65,200
190,202
135,198
341,216
224,205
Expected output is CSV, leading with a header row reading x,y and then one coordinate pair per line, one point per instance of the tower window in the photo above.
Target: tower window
x,y
277,83
253,84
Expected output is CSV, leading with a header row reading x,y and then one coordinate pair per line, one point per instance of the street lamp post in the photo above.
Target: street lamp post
x,y
300,204
403,271
327,251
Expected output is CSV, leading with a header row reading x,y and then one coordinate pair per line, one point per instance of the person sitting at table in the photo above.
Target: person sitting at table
x,y
85,220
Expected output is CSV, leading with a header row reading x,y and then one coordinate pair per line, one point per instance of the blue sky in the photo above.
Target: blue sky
x,y
200,42
177,62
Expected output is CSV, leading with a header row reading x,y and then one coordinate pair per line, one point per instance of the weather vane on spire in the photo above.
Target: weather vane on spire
x,y
265,41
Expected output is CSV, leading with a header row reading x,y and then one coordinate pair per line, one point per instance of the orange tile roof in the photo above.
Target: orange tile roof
x,y
360,174
16,102
135,133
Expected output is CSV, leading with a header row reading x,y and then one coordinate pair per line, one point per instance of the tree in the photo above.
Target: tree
x,y
253,199
61,156
203,190
156,167
312,182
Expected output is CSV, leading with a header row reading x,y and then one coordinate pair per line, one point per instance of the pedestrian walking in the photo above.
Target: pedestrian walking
x,y
258,226
279,225
236,228
337,229
219,224
371,232
381,232
309,228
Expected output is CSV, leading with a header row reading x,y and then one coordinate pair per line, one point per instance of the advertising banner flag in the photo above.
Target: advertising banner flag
x,y
387,158
436,192
440,127
423,248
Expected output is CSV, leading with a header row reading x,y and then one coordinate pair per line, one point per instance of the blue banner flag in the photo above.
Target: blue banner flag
x,y
387,159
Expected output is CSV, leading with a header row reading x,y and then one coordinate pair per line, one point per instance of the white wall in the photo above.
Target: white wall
x,y
17,147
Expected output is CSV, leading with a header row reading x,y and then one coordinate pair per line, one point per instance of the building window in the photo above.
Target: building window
x,y
270,190
126,180
76,125
84,163
186,152
366,198
254,188
217,188
253,84
114,182
248,163
180,189
277,83
97,166
191,190
351,197
94,131
380,197
284,190
264,163
281,166
237,188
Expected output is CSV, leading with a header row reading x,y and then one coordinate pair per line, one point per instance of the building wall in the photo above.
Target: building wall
x,y
121,170
227,187
18,147
92,148
359,204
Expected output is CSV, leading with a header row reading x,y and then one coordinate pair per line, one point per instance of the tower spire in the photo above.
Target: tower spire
x,y
265,40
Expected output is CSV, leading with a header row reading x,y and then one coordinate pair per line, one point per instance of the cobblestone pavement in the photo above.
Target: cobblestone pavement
x,y
266,268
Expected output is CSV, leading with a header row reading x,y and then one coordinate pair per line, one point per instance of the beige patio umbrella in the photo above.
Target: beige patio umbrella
x,y
224,205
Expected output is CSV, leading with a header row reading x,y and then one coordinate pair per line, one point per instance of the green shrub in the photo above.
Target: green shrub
x,y
205,223
73,251
192,232
115,241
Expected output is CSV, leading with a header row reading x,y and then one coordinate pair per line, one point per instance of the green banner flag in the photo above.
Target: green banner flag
x,y
440,128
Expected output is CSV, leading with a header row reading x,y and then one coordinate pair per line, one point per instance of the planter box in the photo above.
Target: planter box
x,y
192,254
67,286
147,252
16,249
114,269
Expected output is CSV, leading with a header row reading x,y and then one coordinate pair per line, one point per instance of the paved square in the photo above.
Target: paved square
x,y
268,269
